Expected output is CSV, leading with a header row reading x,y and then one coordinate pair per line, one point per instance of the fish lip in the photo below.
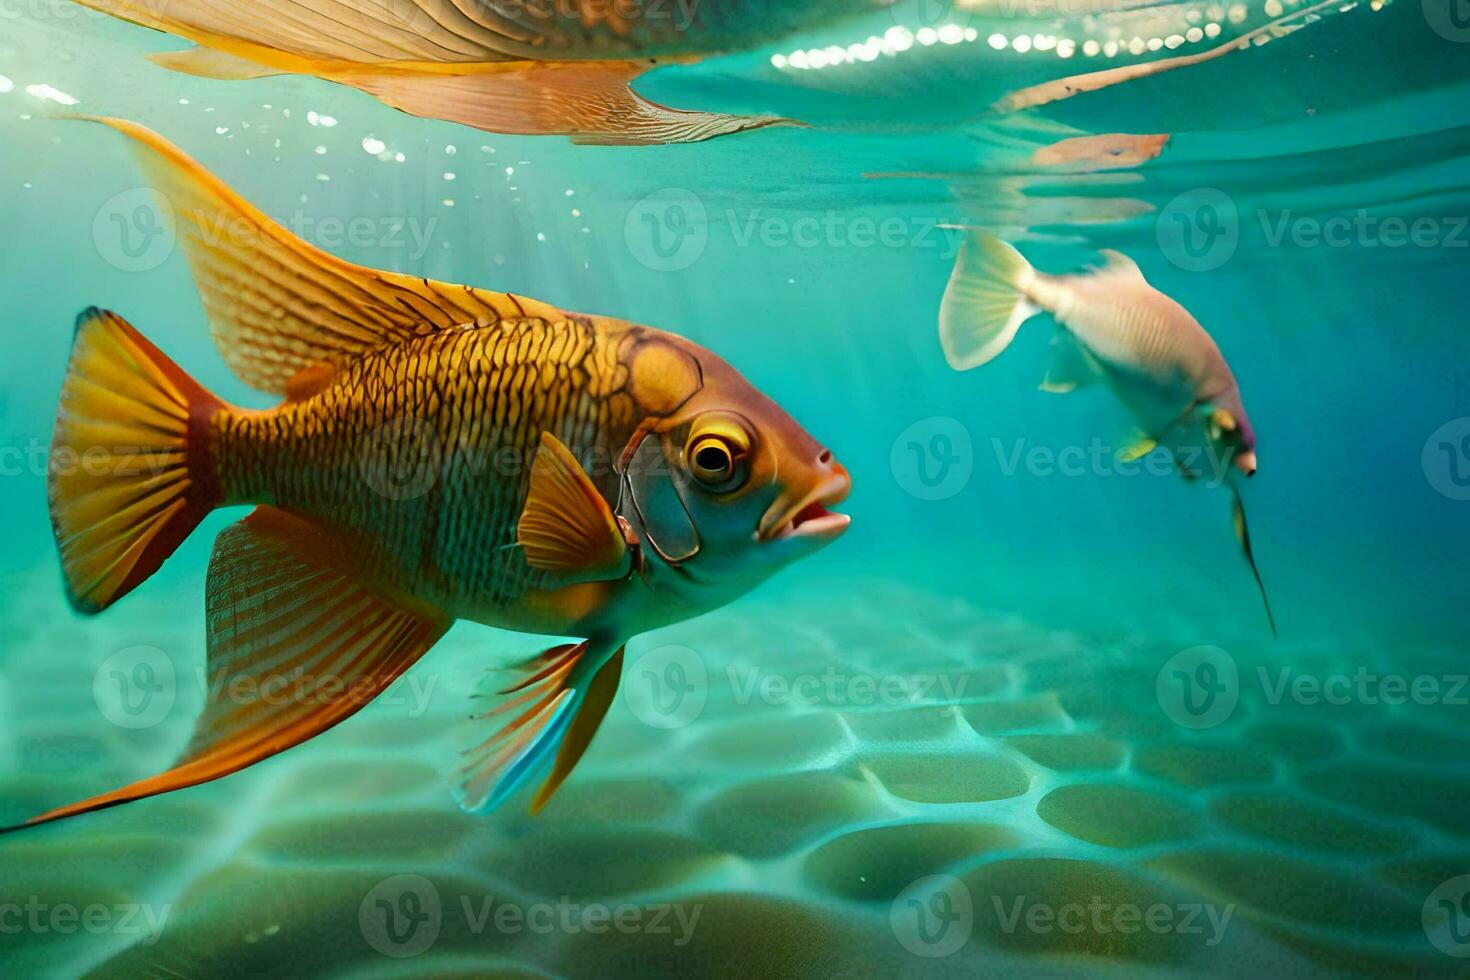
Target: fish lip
x,y
809,517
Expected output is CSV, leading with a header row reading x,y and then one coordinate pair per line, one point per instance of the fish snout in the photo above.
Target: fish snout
x,y
1246,462
803,513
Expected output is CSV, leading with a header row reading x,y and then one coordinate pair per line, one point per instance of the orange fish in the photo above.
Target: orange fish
x,y
531,68
443,452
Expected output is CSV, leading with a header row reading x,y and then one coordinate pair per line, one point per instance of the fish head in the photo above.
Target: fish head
x,y
1232,432
729,487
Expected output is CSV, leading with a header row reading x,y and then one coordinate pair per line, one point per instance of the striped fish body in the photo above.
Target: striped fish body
x,y
418,456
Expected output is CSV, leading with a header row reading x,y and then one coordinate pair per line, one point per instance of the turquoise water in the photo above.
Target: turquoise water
x,y
984,680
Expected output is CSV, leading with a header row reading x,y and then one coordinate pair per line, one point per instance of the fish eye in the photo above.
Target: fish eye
x,y
715,452
712,460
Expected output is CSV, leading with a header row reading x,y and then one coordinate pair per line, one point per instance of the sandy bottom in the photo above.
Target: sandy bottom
x,y
882,782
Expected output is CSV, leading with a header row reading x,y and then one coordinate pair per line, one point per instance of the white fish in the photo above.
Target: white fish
x,y
1152,353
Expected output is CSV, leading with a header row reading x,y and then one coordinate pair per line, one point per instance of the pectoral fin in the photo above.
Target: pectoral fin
x,y
566,526
1072,367
1140,448
1243,534
297,643
1221,422
557,705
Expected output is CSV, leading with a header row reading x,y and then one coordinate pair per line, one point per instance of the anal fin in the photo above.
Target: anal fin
x,y
297,643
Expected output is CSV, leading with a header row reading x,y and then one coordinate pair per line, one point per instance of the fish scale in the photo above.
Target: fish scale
x,y
483,396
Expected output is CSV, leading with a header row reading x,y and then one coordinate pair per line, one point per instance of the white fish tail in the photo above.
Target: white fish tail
x,y
986,302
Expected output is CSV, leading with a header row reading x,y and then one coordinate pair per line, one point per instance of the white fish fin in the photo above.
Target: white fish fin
x,y
985,302
1072,366
1094,81
277,304
1116,265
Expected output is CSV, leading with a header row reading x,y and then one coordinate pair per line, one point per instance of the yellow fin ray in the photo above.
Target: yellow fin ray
x,y
566,526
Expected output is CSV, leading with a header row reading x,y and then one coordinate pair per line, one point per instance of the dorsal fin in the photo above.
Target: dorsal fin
x,y
1117,264
278,305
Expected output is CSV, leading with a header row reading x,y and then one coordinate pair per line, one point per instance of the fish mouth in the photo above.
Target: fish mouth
x,y
809,516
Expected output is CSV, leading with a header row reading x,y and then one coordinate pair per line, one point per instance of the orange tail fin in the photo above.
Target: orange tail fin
x,y
128,478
